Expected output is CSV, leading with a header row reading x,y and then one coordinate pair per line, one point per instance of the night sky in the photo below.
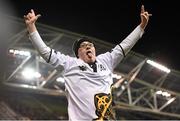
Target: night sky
x,y
112,21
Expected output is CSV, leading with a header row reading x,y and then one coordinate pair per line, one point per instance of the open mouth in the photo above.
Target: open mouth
x,y
89,53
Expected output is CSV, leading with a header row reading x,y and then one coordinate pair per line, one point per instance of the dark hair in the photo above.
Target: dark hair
x,y
77,43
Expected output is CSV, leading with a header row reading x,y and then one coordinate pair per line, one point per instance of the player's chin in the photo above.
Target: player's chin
x,y
91,58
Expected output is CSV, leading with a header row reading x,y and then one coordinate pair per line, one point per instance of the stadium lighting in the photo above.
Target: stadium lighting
x,y
159,92
37,75
165,94
159,66
60,79
19,52
116,76
29,73
123,87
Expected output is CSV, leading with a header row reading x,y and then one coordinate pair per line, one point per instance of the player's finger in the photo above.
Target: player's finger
x,y
142,9
25,17
32,11
39,15
149,14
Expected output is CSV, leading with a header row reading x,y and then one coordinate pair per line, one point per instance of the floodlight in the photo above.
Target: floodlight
x,y
60,79
159,66
29,73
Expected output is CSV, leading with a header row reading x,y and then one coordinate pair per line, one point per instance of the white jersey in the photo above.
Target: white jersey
x,y
87,90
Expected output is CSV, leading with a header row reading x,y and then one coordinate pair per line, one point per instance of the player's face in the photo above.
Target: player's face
x,y
87,52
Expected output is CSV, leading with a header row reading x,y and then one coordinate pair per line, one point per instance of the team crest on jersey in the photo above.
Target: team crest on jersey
x,y
83,68
102,68
103,106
